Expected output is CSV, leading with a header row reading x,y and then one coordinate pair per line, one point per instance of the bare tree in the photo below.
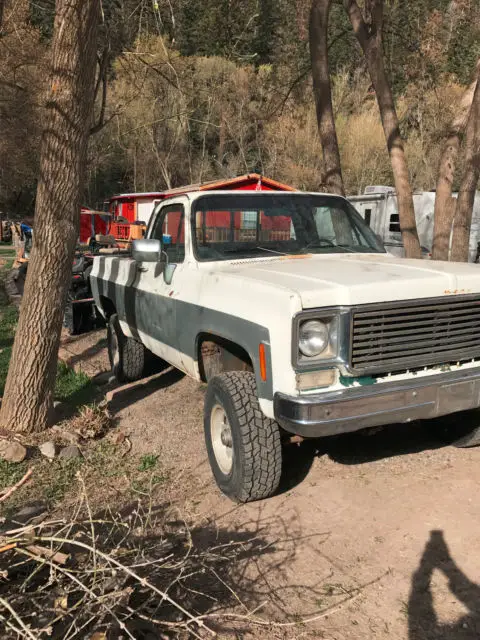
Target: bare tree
x,y
368,31
466,194
66,125
444,203
318,39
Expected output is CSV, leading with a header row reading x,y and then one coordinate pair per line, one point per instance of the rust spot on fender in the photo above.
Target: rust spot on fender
x,y
456,291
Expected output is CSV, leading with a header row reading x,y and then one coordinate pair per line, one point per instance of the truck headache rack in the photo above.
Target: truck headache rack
x,y
414,333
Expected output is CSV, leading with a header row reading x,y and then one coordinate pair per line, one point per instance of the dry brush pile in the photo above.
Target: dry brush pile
x,y
145,573
136,574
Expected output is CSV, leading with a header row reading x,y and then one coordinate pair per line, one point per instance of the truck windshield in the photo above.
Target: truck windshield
x,y
227,226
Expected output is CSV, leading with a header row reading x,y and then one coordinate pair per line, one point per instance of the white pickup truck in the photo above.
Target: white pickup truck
x,y
288,307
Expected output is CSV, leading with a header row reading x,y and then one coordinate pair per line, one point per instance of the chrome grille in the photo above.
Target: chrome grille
x,y
413,334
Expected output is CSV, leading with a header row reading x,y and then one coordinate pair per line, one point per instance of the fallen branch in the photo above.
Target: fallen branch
x,y
80,584
16,486
55,556
12,611
7,547
112,561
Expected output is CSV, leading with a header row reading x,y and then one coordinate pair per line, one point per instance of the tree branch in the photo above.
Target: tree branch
x,y
102,81
358,23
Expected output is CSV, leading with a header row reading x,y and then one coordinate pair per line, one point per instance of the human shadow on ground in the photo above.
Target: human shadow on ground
x,y
423,623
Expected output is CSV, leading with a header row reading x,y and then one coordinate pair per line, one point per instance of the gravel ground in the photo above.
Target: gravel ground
x,y
378,534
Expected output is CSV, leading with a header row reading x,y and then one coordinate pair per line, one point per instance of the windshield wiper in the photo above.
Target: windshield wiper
x,y
236,250
320,245
347,248
251,249
280,253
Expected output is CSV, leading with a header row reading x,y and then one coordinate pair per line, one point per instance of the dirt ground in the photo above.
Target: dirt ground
x,y
378,535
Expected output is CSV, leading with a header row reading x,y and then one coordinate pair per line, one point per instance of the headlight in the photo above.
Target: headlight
x,y
313,338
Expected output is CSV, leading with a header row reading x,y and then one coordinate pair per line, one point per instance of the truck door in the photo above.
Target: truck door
x,y
156,294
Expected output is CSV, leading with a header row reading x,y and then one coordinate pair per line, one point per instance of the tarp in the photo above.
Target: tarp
x,y
92,223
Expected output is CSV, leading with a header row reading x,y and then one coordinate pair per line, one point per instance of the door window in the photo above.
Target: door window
x,y
394,222
169,228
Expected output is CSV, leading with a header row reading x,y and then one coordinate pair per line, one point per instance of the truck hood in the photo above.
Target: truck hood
x,y
348,279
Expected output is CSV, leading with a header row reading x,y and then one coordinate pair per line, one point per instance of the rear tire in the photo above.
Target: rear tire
x,y
460,430
127,356
243,446
78,317
469,439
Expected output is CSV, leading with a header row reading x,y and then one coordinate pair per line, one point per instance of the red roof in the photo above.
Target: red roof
x,y
239,182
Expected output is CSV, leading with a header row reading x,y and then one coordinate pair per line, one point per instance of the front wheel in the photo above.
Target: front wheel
x,y
243,446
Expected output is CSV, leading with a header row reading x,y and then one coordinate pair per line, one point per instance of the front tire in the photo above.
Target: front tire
x,y
127,356
243,446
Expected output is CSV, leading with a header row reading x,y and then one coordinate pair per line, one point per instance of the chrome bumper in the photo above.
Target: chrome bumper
x,y
356,408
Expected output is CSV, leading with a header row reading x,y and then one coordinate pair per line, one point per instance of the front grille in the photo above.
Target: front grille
x,y
414,334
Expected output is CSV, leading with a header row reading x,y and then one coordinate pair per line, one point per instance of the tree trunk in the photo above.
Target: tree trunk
x,y
369,35
318,34
466,195
444,203
67,121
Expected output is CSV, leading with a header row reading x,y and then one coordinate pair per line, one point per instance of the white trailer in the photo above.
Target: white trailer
x,y
378,207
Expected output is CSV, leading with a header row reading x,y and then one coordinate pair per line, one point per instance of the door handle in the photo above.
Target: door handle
x,y
142,269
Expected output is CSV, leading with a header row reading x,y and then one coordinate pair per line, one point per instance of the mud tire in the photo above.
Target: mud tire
x,y
127,356
257,453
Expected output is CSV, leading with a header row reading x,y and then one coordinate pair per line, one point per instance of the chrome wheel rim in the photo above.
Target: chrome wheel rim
x,y
115,350
221,437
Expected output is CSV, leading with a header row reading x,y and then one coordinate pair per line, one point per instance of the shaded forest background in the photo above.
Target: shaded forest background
x,y
201,90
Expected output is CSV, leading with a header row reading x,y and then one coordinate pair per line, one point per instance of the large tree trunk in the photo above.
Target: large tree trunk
x,y
444,203
369,35
318,34
466,195
67,120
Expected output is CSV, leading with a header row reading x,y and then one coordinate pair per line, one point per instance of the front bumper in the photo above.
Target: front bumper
x,y
357,408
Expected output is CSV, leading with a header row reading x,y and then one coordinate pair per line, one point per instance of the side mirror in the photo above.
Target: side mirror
x,y
147,250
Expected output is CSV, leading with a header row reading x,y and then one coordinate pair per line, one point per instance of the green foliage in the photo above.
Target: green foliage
x,y
59,477
73,387
265,41
218,28
11,472
464,47
148,462
8,323
222,87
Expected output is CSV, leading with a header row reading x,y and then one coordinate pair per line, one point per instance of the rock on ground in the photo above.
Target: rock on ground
x,y
72,451
12,451
48,449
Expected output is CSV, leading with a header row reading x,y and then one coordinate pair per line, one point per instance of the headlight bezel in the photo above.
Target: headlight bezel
x,y
338,321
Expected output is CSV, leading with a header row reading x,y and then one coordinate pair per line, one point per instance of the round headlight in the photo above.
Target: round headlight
x,y
313,338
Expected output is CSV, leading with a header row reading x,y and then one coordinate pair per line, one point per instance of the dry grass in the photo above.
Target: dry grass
x,y
92,421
